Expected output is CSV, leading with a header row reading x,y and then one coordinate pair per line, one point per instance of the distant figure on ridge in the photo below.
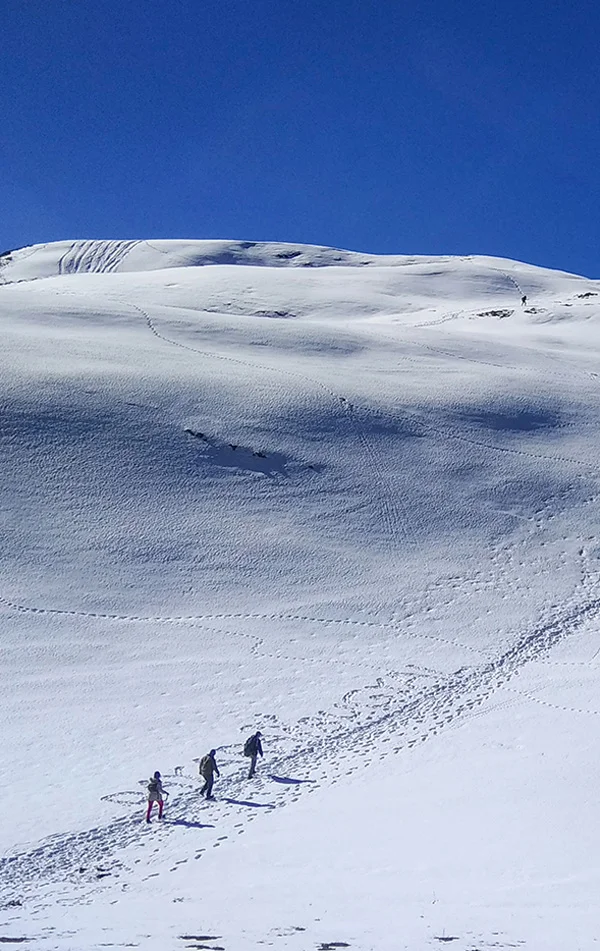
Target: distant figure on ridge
x,y
253,749
524,299
207,768
155,794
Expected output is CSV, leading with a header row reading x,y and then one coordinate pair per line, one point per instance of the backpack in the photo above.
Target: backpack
x,y
153,786
250,746
204,765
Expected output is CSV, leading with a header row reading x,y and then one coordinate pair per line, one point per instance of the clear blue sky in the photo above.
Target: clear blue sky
x,y
408,127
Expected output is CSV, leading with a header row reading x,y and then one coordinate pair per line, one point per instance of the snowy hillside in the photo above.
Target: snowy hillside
x,y
76,257
350,501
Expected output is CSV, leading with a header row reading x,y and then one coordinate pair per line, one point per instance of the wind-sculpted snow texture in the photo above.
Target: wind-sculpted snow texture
x,y
348,500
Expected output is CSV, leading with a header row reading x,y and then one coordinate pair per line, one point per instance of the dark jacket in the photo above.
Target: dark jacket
x,y
254,746
208,766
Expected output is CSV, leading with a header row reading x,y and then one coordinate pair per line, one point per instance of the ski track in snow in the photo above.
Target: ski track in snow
x,y
100,257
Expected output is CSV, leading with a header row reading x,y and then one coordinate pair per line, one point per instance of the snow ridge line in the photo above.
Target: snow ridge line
x,y
154,248
23,253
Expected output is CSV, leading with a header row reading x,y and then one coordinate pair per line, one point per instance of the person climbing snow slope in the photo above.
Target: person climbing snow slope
x,y
207,769
156,793
253,749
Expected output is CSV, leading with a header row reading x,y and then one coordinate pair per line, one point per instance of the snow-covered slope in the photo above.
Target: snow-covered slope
x,y
76,257
348,500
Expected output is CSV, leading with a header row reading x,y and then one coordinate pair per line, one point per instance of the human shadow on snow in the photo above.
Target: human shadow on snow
x,y
188,824
289,780
245,802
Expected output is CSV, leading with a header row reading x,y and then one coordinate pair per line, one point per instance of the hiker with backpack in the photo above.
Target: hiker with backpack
x,y
253,749
207,769
156,793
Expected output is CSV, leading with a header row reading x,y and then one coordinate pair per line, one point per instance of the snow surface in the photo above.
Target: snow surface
x,y
348,500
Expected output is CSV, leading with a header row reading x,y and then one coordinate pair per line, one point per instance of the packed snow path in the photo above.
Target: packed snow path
x,y
400,710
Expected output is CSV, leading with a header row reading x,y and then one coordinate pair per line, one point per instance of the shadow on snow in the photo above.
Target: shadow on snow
x,y
245,802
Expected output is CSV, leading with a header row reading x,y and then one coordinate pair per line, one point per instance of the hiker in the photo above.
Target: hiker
x,y
253,748
155,794
207,769
524,299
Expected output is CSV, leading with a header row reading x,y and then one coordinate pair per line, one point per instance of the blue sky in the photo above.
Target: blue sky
x,y
389,127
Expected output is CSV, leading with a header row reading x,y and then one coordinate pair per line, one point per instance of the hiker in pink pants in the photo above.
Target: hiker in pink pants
x,y
155,794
